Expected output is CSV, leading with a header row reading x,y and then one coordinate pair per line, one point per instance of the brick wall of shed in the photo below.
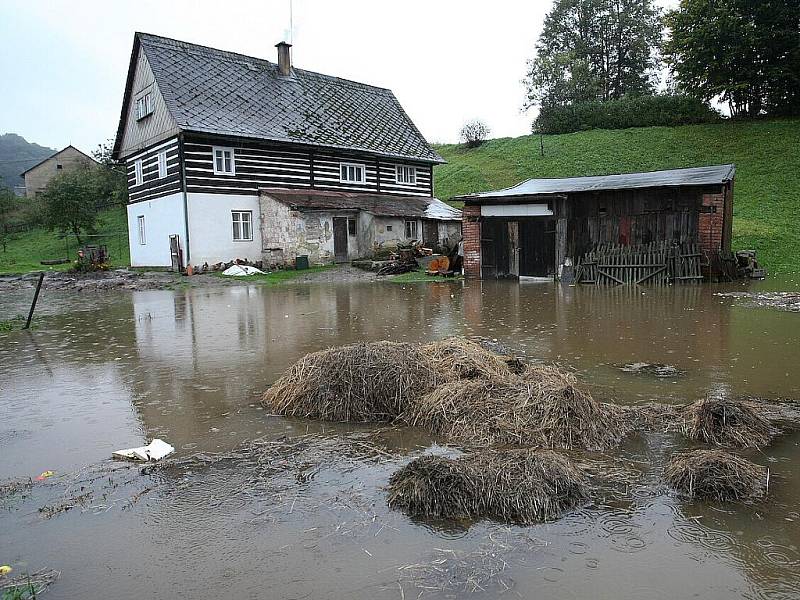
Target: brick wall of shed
x,y
471,230
711,224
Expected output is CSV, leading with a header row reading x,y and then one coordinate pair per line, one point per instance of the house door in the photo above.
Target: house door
x,y
175,253
537,241
430,234
340,239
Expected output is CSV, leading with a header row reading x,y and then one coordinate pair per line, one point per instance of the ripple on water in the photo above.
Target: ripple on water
x,y
691,531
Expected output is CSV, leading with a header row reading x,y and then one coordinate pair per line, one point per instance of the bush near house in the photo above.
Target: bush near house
x,y
766,194
629,111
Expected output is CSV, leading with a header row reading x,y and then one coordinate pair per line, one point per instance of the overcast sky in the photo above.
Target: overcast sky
x,y
63,63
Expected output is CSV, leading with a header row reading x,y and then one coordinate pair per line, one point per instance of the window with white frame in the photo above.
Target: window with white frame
x,y
137,172
405,175
352,173
144,105
140,222
411,230
242,225
162,164
224,161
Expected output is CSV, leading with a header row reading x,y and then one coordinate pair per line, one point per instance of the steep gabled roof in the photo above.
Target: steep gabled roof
x,y
713,175
213,91
383,205
44,160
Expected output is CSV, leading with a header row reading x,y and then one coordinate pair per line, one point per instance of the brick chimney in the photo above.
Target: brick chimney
x,y
284,58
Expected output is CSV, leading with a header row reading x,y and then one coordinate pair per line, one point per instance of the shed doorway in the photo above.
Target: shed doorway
x,y
537,247
340,239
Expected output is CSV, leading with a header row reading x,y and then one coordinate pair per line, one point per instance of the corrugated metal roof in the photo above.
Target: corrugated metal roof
x,y
212,91
713,175
384,205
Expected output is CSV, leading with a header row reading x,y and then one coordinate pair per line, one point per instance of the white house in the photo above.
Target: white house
x,y
205,133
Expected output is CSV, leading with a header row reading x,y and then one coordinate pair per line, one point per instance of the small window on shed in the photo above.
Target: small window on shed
x,y
411,230
388,228
59,166
351,227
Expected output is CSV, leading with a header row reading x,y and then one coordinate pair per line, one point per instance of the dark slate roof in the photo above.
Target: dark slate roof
x,y
717,174
213,91
383,205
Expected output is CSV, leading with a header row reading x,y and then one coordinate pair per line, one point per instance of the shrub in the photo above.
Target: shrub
x,y
474,133
629,111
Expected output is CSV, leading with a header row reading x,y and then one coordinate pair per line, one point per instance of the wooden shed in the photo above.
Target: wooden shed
x,y
634,227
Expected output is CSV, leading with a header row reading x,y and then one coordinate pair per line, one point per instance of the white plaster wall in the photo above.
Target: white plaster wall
x,y
211,228
162,217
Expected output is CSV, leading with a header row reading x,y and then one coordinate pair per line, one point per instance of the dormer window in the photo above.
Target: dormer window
x,y
406,175
224,161
144,105
352,173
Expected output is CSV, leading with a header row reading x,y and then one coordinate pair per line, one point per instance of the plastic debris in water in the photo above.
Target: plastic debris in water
x,y
5,570
155,450
45,475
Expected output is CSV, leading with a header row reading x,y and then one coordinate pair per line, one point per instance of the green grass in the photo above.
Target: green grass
x,y
419,277
766,154
24,252
278,276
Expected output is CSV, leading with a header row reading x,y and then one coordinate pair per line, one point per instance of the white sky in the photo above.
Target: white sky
x,y
63,62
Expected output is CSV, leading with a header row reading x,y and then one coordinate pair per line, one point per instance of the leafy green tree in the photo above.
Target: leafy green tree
x,y
113,174
594,50
70,200
744,52
8,204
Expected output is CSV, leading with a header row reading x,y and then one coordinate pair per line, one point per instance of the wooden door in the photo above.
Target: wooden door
x,y
430,234
513,248
340,239
537,247
175,253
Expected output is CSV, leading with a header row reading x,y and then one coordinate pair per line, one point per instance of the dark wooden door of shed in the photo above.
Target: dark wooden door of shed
x,y
340,239
430,234
537,254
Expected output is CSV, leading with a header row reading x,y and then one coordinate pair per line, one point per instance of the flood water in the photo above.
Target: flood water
x,y
114,370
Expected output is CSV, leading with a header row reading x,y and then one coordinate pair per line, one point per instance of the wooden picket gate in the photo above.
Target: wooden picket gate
x,y
653,263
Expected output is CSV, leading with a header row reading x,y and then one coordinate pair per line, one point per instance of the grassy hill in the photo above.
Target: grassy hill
x,y
766,154
27,248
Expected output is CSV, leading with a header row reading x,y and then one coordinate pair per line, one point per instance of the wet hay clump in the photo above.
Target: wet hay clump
x,y
519,486
465,359
359,383
726,422
543,407
717,475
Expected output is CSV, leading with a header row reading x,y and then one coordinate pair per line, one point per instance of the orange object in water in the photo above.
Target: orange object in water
x,y
189,270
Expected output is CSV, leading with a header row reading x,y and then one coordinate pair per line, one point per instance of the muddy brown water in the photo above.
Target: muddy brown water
x,y
112,370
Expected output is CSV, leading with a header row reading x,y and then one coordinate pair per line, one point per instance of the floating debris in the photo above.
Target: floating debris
x,y
653,369
717,475
543,407
726,422
789,301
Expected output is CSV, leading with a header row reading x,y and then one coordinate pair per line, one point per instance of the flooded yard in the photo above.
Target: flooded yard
x,y
254,505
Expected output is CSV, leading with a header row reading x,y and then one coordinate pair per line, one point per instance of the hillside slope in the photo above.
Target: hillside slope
x,y
766,154
16,155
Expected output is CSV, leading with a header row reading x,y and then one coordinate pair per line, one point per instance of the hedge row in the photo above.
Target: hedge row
x,y
629,111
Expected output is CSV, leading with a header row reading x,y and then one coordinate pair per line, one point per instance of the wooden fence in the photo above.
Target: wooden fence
x,y
653,263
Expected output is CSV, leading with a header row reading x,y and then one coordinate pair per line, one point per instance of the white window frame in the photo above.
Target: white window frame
x,y
344,168
162,164
144,105
224,149
138,172
410,175
413,230
140,225
236,220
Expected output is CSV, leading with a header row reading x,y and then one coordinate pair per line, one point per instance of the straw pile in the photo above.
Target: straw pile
x,y
543,407
521,486
465,359
726,422
718,475
363,382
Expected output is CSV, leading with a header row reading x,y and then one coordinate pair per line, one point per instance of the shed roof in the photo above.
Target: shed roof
x,y
213,91
713,175
382,205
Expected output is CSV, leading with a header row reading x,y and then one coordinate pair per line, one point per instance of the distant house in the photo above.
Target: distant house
x,y
540,226
231,156
40,174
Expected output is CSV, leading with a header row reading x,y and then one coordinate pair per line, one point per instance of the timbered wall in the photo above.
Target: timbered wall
x,y
152,186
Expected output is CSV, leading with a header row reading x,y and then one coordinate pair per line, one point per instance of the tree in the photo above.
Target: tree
x,y
744,52
8,203
113,174
594,50
474,133
69,201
